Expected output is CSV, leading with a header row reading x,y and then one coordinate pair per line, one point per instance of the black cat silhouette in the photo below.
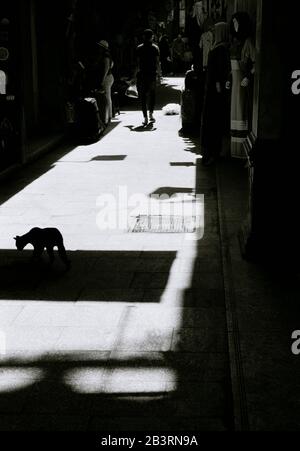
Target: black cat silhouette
x,y
44,238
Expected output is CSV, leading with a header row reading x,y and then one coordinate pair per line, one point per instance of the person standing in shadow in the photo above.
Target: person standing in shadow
x,y
216,108
106,81
178,49
165,55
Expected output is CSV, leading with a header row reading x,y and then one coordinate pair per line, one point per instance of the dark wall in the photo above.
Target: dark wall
x,y
9,38
269,70
276,188
246,5
51,25
10,109
98,19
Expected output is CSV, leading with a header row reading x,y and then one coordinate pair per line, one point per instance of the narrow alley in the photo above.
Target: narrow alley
x,y
135,334
160,140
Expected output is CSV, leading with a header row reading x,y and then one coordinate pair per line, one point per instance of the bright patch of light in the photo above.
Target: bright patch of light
x,y
175,83
122,381
180,279
13,379
87,380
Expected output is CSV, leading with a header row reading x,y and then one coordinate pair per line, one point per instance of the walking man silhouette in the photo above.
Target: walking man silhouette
x,y
148,66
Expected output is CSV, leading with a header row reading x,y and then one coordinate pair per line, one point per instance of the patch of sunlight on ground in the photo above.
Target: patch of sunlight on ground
x,y
12,379
121,381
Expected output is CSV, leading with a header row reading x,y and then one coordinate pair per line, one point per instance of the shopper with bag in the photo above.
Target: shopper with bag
x,y
148,68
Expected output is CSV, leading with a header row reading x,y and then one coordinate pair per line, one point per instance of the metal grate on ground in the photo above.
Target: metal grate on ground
x,y
164,224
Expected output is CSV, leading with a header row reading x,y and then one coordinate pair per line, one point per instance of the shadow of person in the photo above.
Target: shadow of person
x,y
142,128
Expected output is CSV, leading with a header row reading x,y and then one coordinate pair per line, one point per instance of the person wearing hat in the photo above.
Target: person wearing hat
x,y
106,81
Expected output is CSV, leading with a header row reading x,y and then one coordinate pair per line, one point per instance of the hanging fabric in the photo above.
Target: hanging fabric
x,y
199,13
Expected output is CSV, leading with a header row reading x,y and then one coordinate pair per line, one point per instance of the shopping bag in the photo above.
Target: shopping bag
x,y
132,92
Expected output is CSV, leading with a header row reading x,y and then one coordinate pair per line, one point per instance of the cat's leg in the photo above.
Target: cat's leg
x,y
51,254
63,255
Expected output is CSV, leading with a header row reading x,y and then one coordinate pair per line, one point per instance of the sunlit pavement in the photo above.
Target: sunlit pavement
x,y
134,336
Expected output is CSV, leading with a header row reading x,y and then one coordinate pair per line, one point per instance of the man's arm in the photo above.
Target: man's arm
x,y
158,68
106,70
158,64
102,75
137,68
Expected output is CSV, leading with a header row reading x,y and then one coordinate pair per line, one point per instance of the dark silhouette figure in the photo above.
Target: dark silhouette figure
x,y
216,109
148,56
178,49
165,55
44,238
192,101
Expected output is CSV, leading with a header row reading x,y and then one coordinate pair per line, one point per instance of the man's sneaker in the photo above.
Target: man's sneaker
x,y
152,119
145,123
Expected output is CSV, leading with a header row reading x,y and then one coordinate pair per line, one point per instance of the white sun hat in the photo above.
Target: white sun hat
x,y
103,44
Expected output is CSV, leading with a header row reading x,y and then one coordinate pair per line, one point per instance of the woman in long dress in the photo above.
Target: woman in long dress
x,y
99,78
216,114
106,80
242,69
